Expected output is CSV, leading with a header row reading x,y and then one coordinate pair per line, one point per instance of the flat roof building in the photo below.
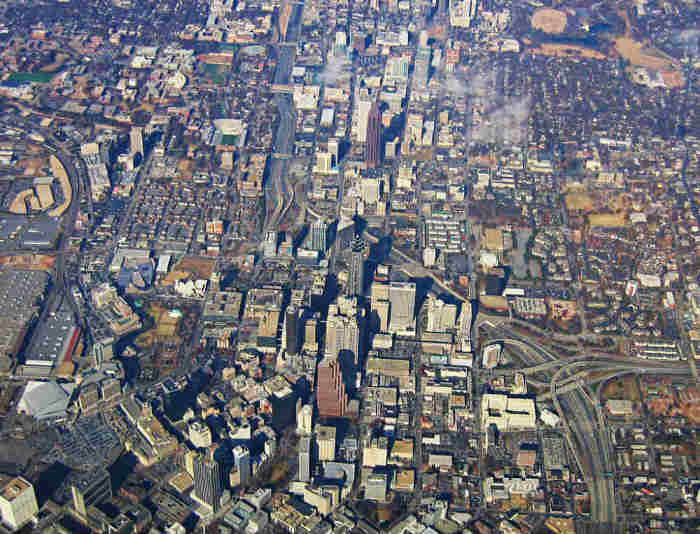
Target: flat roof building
x,y
223,306
325,441
45,400
55,341
20,292
17,503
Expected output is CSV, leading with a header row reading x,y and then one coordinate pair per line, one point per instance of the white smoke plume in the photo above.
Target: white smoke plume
x,y
336,71
497,118
454,85
475,82
502,118
481,83
505,124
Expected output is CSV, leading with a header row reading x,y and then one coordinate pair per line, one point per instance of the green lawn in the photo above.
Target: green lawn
x,y
216,73
230,140
39,77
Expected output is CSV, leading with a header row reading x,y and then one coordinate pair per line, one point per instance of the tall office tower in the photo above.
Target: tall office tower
x,y
379,291
434,314
423,38
18,504
310,333
188,460
324,162
402,296
331,399
136,138
305,459
380,314
464,328
325,443
421,67
441,316
241,459
319,235
89,489
375,489
292,329
374,138
208,487
371,189
462,12
363,109
343,334
305,418
356,276
200,434
334,151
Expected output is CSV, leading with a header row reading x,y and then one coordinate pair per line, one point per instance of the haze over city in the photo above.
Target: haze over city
x,y
335,266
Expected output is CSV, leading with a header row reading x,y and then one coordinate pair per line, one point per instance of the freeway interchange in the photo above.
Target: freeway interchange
x,y
574,385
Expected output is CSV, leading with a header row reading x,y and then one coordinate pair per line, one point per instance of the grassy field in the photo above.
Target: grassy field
x,y
567,50
165,327
578,202
608,220
216,73
38,77
623,388
230,140
549,20
639,54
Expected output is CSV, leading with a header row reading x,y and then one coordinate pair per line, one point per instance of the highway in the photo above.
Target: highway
x,y
581,413
412,268
279,196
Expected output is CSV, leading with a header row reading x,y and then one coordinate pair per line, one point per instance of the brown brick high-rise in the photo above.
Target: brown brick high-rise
x,y
374,138
331,398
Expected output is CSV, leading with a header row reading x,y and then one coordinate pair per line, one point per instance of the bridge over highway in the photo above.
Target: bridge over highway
x,y
581,413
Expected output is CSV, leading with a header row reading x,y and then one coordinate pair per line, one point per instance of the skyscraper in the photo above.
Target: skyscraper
x,y
441,316
343,339
241,459
325,443
293,329
402,296
319,235
380,314
356,275
305,418
310,333
208,487
200,433
334,151
331,399
324,162
363,109
17,503
90,488
374,137
136,140
462,12
305,459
